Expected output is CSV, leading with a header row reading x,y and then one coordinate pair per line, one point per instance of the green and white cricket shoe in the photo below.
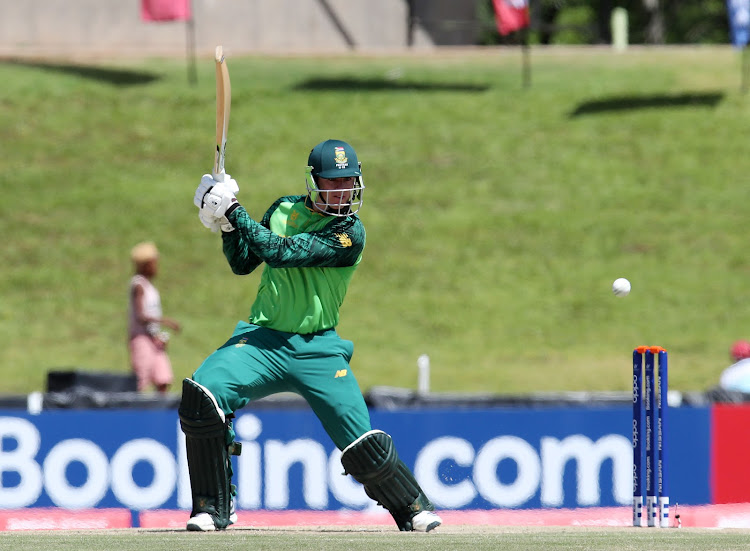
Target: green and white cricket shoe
x,y
232,513
425,521
202,522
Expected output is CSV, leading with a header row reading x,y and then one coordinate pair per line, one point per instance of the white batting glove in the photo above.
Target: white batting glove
x,y
207,182
210,221
218,199
215,224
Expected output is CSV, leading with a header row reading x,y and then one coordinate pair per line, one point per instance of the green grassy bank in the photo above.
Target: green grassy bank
x,y
497,216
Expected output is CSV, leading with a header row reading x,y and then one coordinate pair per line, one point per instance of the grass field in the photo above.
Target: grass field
x,y
337,539
497,217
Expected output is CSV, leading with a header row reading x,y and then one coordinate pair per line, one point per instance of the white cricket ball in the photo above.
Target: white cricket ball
x,y
621,287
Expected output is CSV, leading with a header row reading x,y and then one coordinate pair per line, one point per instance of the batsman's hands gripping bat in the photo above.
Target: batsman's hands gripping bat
x,y
223,106
213,199
208,182
219,201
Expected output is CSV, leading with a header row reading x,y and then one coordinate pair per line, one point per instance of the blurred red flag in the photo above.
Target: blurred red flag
x,y
511,15
165,10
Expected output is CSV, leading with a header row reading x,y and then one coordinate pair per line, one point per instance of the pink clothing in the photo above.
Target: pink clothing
x,y
148,358
150,362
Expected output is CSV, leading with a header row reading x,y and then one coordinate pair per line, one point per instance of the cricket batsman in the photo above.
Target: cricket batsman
x,y
311,245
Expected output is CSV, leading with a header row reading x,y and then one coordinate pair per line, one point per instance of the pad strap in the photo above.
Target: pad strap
x,y
208,453
373,461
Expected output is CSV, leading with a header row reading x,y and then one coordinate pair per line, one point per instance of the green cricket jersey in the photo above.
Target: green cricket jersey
x,y
310,260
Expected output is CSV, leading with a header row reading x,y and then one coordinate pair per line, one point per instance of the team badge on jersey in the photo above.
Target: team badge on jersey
x,y
340,156
293,220
344,239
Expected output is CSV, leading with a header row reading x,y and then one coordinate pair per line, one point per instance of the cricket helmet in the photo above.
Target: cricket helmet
x,y
335,159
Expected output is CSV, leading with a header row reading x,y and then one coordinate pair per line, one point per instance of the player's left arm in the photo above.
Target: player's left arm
x,y
237,250
339,244
215,200
238,253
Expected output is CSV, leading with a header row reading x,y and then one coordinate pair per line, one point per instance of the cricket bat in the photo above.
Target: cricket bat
x,y
223,105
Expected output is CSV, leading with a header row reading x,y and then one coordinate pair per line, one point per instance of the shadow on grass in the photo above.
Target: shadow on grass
x,y
116,77
656,101
352,84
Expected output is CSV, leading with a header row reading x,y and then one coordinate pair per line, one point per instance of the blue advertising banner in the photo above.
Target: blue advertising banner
x,y
739,21
464,459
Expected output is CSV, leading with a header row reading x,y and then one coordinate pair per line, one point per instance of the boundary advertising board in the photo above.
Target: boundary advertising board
x,y
468,459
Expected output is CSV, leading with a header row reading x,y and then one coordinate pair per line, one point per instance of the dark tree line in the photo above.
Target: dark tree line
x,y
588,22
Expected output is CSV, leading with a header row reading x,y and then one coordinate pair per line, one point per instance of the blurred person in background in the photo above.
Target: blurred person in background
x,y
147,340
737,376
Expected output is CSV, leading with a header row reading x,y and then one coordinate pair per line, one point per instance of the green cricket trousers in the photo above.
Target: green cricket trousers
x,y
257,362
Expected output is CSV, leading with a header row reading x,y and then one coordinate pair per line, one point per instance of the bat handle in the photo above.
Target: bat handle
x,y
218,171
